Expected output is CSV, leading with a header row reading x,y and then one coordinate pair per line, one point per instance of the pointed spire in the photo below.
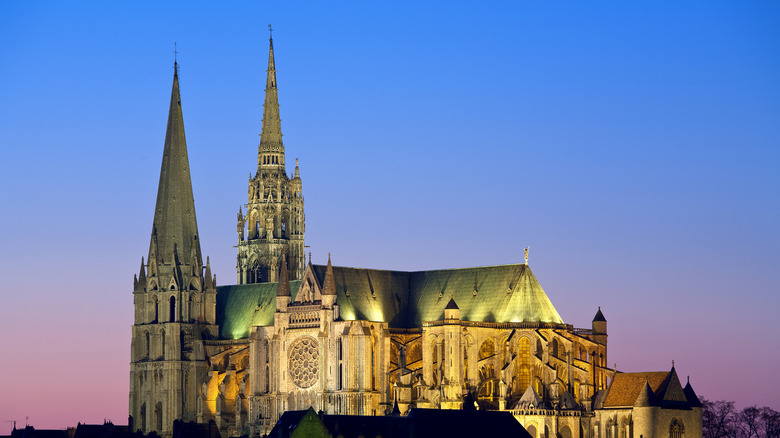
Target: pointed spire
x,y
646,397
174,213
599,316
271,149
690,395
329,285
283,290
297,170
209,285
142,273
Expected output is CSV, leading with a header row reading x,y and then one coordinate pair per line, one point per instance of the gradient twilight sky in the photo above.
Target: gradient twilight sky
x,y
635,146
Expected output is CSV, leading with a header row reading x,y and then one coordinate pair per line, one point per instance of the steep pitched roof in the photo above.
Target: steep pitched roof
x,y
671,393
691,396
529,400
174,223
240,307
599,316
624,391
625,387
505,293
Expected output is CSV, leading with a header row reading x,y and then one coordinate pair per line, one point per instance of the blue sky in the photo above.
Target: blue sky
x,y
633,146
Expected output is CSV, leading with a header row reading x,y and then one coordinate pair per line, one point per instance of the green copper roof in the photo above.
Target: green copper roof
x,y
239,307
506,293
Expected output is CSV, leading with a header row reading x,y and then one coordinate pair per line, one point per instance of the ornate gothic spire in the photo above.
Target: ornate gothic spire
x,y
271,149
175,230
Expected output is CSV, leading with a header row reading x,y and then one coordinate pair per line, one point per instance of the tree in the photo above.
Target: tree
x,y
748,422
718,418
770,423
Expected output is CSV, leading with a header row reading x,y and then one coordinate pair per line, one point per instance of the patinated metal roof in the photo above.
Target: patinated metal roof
x,y
239,307
506,293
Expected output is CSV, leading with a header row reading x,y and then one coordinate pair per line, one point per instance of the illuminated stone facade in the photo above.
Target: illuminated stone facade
x,y
293,335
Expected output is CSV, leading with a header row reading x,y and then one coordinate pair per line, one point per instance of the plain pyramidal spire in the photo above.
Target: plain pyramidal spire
x,y
175,229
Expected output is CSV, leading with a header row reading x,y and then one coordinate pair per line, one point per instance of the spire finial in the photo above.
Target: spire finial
x,y
672,363
175,58
525,250
270,32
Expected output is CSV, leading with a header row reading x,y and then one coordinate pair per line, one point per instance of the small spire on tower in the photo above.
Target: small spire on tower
x,y
329,284
283,289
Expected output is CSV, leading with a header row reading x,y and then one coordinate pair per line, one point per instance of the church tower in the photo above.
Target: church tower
x,y
175,302
274,223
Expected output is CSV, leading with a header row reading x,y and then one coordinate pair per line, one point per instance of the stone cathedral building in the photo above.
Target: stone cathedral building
x,y
292,334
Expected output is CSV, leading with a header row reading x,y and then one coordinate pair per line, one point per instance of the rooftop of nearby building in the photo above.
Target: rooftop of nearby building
x,y
419,423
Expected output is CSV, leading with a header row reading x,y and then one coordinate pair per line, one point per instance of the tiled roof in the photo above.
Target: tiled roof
x,y
625,390
625,387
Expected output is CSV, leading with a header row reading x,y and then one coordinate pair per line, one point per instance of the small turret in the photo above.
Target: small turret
x,y
599,326
646,408
452,311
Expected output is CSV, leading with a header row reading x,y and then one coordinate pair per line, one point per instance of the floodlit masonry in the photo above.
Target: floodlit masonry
x,y
293,335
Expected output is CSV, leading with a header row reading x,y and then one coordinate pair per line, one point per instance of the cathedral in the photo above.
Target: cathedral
x,y
291,334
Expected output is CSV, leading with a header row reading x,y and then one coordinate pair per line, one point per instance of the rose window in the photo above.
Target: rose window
x,y
304,362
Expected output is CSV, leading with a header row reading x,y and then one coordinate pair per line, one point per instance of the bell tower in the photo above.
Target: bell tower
x,y
273,226
175,302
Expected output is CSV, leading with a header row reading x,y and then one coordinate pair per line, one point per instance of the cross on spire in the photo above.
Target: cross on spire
x,y
175,58
270,31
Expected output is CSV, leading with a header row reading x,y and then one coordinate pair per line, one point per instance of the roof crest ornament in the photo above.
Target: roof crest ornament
x,y
270,32
525,250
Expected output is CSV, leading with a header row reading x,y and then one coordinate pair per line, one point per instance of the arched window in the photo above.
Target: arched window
x,y
539,350
676,429
267,377
162,337
523,365
487,349
555,347
156,309
146,355
173,310
158,414
373,345
143,418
